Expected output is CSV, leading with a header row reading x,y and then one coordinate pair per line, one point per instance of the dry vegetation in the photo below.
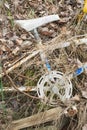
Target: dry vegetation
x,y
17,45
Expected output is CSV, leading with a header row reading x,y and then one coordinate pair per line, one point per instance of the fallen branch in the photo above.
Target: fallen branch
x,y
37,119
20,63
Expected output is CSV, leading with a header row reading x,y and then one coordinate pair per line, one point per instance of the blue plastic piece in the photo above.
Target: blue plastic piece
x,y
48,65
79,71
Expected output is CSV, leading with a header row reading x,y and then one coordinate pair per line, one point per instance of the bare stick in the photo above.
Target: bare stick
x,y
20,62
50,115
15,87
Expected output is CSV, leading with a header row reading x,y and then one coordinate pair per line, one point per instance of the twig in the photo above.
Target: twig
x,y
49,47
20,63
18,89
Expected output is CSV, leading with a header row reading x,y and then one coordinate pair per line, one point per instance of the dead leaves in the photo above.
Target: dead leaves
x,y
16,44
84,93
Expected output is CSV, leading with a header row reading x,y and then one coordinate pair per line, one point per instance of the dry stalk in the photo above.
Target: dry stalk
x,y
15,87
20,63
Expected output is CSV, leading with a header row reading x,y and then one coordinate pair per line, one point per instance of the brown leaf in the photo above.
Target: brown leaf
x,y
76,98
71,111
19,41
15,50
45,31
53,26
33,4
64,29
15,2
24,36
53,9
84,94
